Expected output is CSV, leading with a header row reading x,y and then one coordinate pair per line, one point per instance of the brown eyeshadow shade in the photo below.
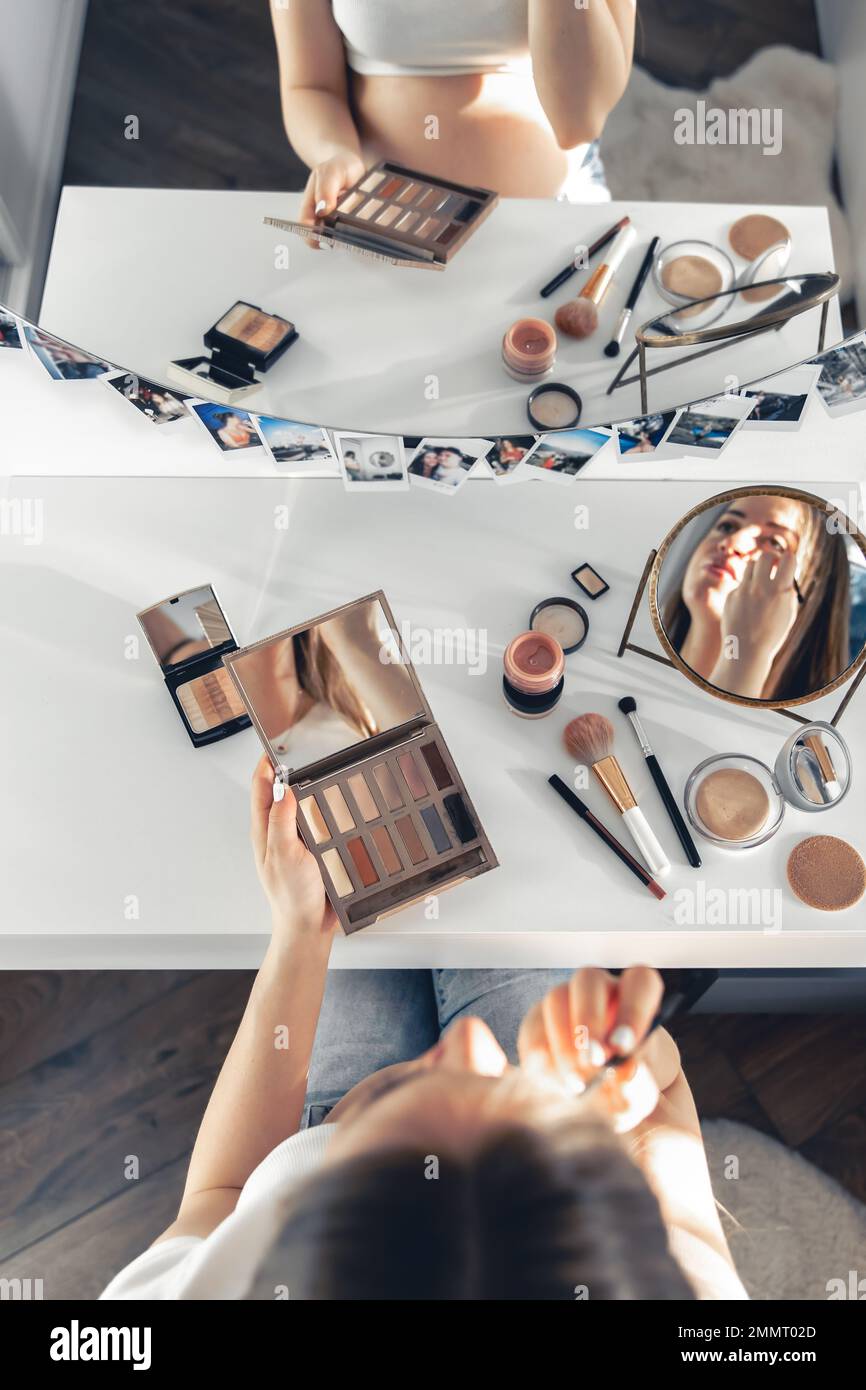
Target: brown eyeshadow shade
x,y
391,188
412,772
364,798
429,227
387,784
447,236
210,700
426,199
343,885
411,839
387,853
436,763
408,193
362,861
318,826
339,810
407,222
435,829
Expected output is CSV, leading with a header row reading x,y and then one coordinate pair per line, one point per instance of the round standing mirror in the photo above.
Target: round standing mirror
x,y
758,595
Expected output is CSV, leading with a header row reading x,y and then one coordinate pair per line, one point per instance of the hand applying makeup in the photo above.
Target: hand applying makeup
x,y
287,871
757,619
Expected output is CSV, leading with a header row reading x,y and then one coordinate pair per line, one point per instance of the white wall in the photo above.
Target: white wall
x,y
842,25
39,47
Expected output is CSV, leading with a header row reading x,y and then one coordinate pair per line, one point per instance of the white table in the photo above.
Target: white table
x,y
106,803
138,275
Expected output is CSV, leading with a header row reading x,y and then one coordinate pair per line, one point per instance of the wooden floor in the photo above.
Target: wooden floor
x,y
202,81
96,1068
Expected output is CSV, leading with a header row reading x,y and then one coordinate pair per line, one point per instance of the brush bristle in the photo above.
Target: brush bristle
x,y
627,704
589,738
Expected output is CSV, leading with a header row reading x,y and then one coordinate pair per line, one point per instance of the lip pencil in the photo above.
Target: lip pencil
x,y
612,349
574,264
581,808
629,708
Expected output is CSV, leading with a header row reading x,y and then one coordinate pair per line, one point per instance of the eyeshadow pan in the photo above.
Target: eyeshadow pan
x,y
364,798
408,193
369,208
407,222
450,205
387,784
429,227
426,198
436,763
412,772
391,213
362,861
447,236
467,213
351,201
210,700
460,818
391,188
387,853
337,873
436,829
411,839
372,181
339,810
318,826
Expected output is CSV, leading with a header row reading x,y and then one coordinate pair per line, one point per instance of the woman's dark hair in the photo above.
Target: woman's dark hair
x,y
561,1214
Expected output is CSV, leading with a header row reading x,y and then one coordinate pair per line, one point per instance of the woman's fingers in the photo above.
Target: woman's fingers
x,y
283,822
639,994
261,800
591,999
787,570
556,1017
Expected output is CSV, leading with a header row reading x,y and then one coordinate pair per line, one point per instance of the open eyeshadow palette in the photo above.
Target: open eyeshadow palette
x,y
403,217
381,805
246,340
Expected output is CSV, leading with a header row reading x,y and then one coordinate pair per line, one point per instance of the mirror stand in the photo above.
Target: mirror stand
x,y
626,646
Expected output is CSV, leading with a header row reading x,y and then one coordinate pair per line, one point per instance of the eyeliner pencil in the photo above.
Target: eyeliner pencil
x,y
629,708
581,808
568,270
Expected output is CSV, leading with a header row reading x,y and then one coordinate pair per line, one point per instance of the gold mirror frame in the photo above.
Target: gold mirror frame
x,y
674,657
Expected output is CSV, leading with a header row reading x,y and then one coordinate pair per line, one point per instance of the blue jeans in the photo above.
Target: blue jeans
x,y
373,1018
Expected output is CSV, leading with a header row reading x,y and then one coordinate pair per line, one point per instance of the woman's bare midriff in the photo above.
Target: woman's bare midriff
x,y
487,129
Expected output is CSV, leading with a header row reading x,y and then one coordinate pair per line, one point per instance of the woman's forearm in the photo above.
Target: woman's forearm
x,y
581,60
259,1094
319,125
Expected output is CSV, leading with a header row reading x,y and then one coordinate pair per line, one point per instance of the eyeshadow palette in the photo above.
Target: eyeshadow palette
x,y
244,341
189,635
403,217
381,805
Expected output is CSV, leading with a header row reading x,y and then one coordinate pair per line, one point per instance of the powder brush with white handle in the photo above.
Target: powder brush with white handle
x,y
590,740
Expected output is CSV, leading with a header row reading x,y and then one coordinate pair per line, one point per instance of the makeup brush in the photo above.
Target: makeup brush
x,y
629,708
828,782
581,256
613,347
590,740
676,1001
609,838
579,317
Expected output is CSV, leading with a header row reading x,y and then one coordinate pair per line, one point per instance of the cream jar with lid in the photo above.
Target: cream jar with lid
x,y
737,802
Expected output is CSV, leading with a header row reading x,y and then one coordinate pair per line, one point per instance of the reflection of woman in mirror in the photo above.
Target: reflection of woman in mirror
x,y
519,90
327,687
763,607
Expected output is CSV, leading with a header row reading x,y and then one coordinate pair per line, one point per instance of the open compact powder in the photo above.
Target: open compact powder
x,y
732,804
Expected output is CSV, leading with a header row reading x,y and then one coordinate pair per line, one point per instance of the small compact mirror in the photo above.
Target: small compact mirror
x,y
185,626
322,688
817,764
759,595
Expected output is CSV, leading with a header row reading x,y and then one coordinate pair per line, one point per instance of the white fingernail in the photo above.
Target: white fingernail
x,y
321,205
279,789
575,1084
597,1054
623,1039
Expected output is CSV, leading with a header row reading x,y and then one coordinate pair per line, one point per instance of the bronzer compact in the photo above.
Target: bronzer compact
x,y
189,636
345,723
397,215
245,341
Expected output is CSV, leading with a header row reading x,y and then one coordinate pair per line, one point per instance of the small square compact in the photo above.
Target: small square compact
x,y
189,636
246,340
397,215
345,723
588,579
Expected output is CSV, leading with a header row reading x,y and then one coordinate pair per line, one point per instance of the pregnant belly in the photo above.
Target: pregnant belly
x,y
478,129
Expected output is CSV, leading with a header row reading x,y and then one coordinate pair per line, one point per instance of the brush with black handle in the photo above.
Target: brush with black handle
x,y
629,708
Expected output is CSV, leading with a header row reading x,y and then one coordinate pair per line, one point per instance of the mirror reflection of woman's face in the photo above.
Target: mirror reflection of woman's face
x,y
748,528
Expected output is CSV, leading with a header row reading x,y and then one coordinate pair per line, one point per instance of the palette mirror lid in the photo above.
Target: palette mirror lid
x,y
185,627
330,691
813,768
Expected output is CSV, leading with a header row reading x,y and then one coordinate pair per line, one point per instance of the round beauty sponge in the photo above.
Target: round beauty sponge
x,y
753,234
578,318
826,873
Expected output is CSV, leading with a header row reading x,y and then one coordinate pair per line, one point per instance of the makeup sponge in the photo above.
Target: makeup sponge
x,y
578,318
826,873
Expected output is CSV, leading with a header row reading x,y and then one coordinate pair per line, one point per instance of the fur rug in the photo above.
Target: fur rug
x,y
791,1229
643,161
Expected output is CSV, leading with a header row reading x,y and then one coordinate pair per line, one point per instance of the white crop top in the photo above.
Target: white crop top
x,y
436,38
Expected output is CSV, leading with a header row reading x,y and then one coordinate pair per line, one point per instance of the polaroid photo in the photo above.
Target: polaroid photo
x,y
443,465
371,462
842,382
644,434
297,449
705,427
779,403
229,428
156,403
62,361
507,454
561,456
10,331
